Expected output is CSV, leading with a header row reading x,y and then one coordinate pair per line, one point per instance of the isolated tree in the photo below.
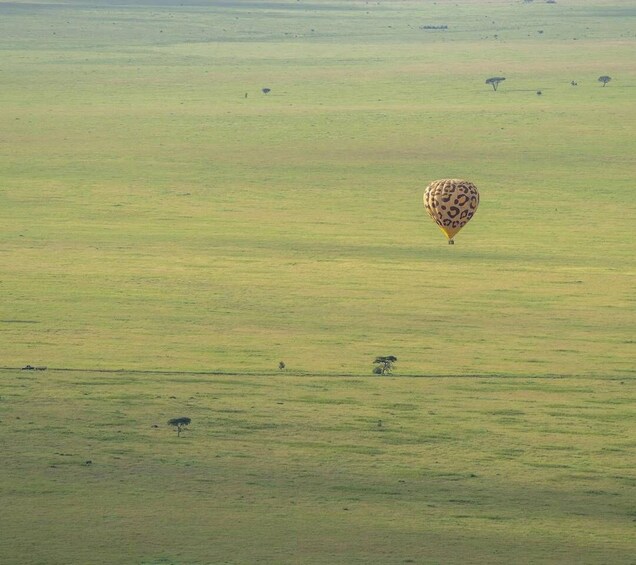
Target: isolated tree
x,y
281,365
266,90
180,423
384,364
604,79
494,81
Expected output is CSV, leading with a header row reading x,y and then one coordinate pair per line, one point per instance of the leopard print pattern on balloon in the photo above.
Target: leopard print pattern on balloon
x,y
451,203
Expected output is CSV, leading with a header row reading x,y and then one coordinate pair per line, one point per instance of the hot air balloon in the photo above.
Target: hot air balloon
x,y
451,203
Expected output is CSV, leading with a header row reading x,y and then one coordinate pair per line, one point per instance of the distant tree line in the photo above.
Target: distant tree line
x,y
495,81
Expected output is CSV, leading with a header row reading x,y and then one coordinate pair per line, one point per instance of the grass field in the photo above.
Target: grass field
x,y
156,218
162,216
316,470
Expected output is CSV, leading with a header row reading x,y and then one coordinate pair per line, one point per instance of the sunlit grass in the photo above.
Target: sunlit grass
x,y
157,218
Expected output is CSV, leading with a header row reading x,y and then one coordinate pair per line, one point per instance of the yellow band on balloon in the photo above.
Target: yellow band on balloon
x,y
449,232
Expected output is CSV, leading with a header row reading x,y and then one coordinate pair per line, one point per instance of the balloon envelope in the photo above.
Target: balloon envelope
x,y
451,203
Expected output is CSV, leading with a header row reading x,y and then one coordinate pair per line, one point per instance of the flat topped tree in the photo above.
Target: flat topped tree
x,y
180,423
384,364
494,81
604,79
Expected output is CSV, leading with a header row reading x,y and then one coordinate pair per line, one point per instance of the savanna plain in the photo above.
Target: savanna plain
x,y
170,232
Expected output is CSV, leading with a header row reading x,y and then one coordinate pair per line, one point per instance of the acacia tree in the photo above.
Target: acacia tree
x,y
494,81
604,79
180,423
384,365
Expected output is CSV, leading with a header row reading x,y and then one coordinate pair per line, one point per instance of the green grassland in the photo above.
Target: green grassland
x,y
162,216
316,470
155,218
